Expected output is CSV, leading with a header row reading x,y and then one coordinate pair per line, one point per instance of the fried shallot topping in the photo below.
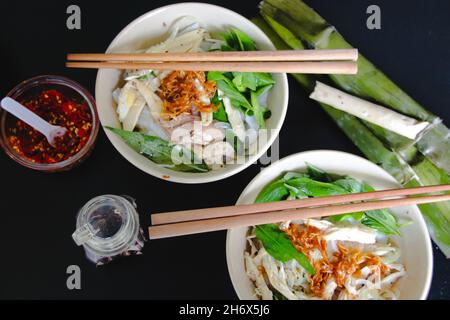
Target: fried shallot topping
x,y
307,239
345,263
183,92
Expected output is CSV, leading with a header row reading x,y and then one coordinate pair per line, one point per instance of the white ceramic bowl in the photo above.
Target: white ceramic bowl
x,y
152,28
414,243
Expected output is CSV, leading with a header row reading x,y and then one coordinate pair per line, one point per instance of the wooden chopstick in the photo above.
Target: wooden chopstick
x,y
280,55
227,211
338,67
247,220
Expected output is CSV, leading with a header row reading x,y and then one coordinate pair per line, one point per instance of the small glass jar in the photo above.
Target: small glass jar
x,y
108,227
71,90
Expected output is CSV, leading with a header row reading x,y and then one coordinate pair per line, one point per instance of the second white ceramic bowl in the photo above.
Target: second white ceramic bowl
x,y
415,244
152,28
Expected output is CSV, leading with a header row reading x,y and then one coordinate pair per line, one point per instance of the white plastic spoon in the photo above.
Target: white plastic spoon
x,y
23,113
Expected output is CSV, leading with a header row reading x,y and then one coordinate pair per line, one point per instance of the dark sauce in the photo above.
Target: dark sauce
x,y
107,220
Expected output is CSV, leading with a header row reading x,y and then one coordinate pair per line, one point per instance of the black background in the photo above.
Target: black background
x,y
38,210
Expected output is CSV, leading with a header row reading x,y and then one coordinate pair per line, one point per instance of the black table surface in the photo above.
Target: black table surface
x,y
38,210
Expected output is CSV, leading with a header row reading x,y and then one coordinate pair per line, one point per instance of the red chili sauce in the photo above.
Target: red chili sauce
x,y
59,110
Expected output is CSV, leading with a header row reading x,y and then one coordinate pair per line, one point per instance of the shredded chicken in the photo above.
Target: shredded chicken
x,y
343,270
345,262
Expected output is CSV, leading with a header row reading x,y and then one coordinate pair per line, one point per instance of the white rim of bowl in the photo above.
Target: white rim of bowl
x,y
198,178
249,186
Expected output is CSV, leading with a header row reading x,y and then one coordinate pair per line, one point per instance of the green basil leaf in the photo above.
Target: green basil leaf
x,y
381,220
318,174
263,79
258,110
220,114
226,86
280,247
351,185
244,81
236,98
252,81
292,174
315,188
160,151
226,47
245,42
216,75
294,192
238,40
275,191
358,216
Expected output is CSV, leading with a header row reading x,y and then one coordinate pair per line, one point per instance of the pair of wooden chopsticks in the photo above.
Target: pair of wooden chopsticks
x,y
172,224
340,61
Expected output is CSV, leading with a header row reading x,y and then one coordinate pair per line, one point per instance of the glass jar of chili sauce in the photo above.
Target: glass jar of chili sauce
x,y
62,102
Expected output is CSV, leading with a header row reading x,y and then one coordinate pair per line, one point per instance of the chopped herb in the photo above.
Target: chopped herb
x,y
148,75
